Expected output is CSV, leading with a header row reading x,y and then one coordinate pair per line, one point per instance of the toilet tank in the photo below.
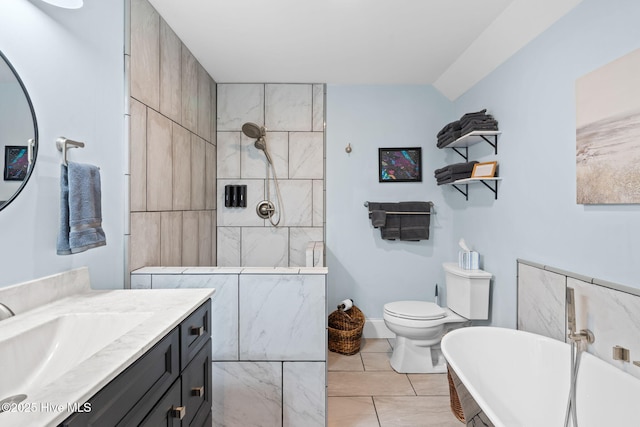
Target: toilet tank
x,y
467,291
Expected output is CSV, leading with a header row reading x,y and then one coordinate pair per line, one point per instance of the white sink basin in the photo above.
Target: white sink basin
x,y
37,356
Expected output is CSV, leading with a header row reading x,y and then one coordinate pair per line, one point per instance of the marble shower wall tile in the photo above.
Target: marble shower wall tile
x,y
295,304
229,150
299,238
140,281
297,201
303,400
224,306
238,104
306,153
318,203
288,107
247,394
613,317
265,247
228,246
541,297
318,108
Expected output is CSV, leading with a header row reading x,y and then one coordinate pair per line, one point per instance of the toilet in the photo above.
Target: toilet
x,y
420,325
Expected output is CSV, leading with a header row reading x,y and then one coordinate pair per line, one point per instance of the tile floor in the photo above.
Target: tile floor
x,y
364,391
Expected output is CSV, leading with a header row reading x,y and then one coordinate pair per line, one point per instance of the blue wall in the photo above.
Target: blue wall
x,y
536,216
362,266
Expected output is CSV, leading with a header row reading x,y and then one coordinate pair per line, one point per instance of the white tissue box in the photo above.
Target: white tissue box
x,y
469,260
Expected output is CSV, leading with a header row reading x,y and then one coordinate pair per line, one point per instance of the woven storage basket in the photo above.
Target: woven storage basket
x,y
345,330
456,407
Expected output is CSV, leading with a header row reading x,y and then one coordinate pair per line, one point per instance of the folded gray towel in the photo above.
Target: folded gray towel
x,y
414,227
80,209
378,218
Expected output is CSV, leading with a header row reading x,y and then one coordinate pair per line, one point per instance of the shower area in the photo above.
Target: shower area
x,y
270,138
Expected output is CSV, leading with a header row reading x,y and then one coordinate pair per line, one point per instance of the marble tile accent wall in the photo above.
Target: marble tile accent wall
x,y
293,115
173,151
303,402
609,310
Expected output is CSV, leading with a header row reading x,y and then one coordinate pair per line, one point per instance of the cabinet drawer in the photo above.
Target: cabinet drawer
x,y
196,388
195,331
162,415
140,386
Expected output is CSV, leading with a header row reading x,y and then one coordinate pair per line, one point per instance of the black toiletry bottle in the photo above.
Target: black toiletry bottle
x,y
227,196
234,196
242,199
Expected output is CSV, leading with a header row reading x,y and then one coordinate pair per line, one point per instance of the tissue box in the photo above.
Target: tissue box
x,y
469,260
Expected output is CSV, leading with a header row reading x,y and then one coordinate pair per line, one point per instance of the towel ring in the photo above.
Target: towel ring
x,y
62,144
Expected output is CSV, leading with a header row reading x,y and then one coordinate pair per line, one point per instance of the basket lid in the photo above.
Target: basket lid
x,y
418,310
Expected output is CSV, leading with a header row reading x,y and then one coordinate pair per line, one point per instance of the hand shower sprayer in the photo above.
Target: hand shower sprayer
x,y
265,208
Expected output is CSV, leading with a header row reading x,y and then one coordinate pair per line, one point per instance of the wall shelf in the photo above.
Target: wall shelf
x,y
472,138
465,182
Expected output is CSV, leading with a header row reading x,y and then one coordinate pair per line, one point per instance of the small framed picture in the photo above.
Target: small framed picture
x,y
16,162
400,164
484,170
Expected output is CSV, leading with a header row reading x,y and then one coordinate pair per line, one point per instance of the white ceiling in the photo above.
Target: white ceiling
x,y
451,44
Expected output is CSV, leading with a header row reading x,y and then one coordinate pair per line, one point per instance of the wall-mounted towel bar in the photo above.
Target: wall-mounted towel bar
x,y
366,205
62,144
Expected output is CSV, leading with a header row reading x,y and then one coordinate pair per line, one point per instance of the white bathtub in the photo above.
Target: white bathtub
x,y
520,379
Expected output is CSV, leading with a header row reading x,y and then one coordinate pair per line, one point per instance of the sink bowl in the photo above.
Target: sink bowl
x,y
37,356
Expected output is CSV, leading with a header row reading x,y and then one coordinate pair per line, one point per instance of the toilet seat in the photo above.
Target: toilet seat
x,y
415,310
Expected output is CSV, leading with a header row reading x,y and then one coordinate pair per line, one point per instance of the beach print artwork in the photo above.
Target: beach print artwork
x,y
608,133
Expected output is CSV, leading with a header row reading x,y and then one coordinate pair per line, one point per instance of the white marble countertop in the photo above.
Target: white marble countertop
x,y
164,308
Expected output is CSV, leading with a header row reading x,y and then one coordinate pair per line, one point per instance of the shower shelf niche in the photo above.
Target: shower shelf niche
x,y
465,182
472,138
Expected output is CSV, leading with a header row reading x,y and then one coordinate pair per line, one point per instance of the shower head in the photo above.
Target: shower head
x,y
252,130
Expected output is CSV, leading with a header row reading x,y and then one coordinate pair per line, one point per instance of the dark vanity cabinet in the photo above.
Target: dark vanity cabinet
x,y
170,385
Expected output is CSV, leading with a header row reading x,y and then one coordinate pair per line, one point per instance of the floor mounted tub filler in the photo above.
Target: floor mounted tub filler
x,y
512,378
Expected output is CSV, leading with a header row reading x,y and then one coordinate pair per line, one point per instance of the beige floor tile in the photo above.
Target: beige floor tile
x,y
341,362
376,361
369,384
418,411
352,412
430,384
374,345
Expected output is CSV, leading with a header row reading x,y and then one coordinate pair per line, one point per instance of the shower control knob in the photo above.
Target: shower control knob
x,y
265,209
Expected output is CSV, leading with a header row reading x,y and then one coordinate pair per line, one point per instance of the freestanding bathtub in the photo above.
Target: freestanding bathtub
x,y
520,379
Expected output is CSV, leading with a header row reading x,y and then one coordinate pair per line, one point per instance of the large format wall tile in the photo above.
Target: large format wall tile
x,y
299,238
171,238
238,104
613,317
541,296
159,163
170,74
205,238
306,152
288,107
264,247
181,168
204,104
303,394
145,239
189,76
253,162
318,108
198,172
189,242
145,53
297,199
282,317
229,149
318,203
210,182
247,394
138,156
228,246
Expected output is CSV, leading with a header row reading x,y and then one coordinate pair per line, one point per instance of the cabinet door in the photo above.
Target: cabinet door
x,y
195,330
167,412
196,388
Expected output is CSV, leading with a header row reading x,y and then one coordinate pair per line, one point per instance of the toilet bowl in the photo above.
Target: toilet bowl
x,y
420,325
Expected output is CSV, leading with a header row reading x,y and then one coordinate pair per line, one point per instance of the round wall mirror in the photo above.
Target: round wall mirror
x,y
18,133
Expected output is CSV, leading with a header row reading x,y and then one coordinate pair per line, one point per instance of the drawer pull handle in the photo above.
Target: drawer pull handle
x,y
178,412
197,391
196,330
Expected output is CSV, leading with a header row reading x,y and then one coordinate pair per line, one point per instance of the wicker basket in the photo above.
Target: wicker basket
x,y
345,330
456,407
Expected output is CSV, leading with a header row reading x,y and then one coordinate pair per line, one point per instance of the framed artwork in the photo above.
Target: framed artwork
x,y
400,164
16,162
484,170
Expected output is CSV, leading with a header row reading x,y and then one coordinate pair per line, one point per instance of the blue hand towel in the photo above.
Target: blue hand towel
x,y
80,209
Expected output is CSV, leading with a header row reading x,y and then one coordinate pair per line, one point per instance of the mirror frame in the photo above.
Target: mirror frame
x,y
35,132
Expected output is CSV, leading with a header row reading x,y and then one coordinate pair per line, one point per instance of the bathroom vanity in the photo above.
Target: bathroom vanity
x,y
121,357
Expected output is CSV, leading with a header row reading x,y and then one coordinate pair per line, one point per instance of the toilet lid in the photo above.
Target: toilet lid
x,y
418,310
